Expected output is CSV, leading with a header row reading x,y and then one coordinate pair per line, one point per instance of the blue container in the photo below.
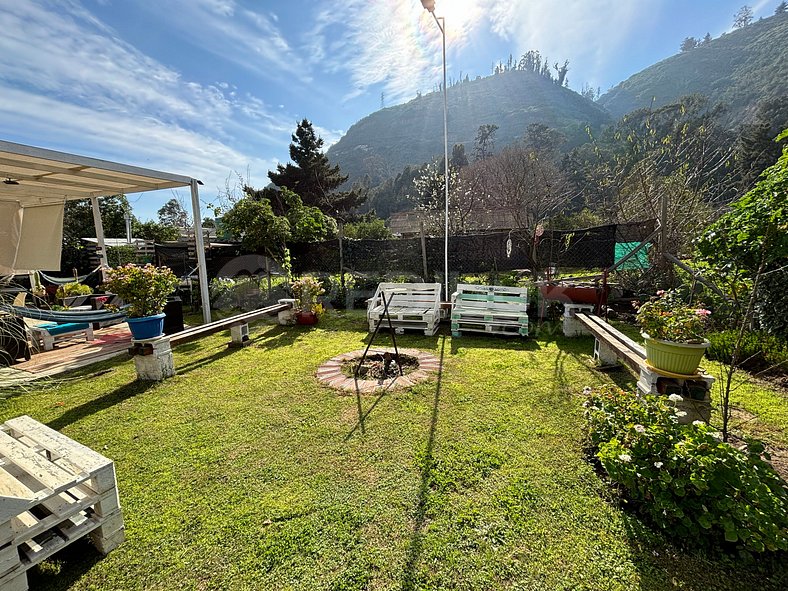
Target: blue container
x,y
147,327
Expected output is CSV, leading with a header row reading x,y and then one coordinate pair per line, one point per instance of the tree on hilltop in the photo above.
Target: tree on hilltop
x,y
688,44
743,18
782,8
311,176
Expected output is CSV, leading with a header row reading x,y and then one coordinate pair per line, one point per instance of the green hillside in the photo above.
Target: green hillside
x,y
738,69
381,144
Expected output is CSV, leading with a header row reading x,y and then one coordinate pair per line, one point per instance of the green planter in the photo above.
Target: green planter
x,y
678,358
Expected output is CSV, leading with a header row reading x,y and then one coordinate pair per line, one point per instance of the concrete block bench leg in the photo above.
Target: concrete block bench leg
x,y
572,326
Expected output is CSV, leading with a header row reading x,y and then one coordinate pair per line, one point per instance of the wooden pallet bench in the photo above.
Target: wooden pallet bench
x,y
49,332
611,345
410,305
53,491
489,309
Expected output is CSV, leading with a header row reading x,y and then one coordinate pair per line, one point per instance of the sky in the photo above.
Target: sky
x,y
213,89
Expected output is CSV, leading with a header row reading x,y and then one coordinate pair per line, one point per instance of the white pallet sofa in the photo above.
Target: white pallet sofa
x,y
411,306
53,491
491,309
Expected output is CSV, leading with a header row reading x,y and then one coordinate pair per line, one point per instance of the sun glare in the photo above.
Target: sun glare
x,y
460,16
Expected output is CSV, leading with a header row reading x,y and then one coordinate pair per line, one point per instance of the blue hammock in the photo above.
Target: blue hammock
x,y
63,316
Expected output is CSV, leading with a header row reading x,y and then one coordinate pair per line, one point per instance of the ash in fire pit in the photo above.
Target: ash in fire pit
x,y
380,366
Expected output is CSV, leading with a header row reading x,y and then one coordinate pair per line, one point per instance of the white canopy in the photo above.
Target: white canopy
x,y
35,183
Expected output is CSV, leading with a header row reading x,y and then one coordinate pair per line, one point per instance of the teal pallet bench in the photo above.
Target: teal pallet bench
x,y
491,309
48,333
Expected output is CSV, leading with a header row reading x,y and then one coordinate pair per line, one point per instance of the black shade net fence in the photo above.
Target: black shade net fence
x,y
589,248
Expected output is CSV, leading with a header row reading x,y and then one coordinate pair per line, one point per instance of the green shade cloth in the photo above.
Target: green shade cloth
x,y
638,261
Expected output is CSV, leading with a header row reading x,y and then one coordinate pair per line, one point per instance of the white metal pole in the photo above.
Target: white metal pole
x,y
101,250
441,21
202,272
442,26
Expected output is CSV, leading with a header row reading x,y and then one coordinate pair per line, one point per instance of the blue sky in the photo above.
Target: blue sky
x,y
213,88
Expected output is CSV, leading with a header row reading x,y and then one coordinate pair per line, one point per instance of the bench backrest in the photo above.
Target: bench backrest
x,y
404,295
491,297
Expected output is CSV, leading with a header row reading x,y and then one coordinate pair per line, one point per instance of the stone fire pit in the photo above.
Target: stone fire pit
x,y
417,366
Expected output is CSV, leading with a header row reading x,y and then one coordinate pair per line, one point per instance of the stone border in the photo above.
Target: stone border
x,y
330,373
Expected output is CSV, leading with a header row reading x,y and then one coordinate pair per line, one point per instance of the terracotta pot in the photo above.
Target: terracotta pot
x,y
672,357
575,294
306,318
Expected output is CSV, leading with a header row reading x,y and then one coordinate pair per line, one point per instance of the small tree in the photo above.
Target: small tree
x,y
485,141
688,44
173,215
782,8
743,18
745,246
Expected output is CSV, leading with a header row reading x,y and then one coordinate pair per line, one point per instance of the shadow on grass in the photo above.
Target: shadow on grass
x,y
279,336
70,565
102,402
663,565
485,341
417,539
198,363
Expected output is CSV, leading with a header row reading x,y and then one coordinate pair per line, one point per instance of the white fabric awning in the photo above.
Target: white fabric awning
x,y
35,184
35,175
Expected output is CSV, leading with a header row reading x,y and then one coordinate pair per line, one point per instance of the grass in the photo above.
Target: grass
x,y
242,472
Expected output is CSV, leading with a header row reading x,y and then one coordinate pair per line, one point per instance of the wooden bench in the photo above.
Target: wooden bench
x,y
611,345
490,309
49,332
53,491
153,357
410,306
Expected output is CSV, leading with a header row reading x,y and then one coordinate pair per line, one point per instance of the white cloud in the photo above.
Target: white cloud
x,y
82,89
588,34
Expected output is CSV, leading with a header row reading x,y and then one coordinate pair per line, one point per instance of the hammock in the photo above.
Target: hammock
x,y
62,317
64,280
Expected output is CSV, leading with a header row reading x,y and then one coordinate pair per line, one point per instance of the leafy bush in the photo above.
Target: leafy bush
x,y
759,351
74,288
683,477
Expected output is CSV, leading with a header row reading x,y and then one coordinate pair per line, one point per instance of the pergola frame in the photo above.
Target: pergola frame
x,y
36,176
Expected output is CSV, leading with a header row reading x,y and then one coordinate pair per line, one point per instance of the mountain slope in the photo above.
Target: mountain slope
x,y
738,69
381,144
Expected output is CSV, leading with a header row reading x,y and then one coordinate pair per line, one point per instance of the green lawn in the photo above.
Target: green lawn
x,y
243,473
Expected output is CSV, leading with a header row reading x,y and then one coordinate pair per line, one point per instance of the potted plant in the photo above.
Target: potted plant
x,y
144,289
73,294
673,333
306,290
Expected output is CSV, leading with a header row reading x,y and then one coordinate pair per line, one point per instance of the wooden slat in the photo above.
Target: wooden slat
x,y
80,456
37,466
626,349
196,332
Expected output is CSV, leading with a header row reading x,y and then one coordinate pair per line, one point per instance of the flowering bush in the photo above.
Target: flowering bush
x,y
683,477
306,290
668,318
143,288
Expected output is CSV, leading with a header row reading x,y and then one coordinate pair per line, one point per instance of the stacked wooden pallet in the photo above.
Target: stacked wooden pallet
x,y
53,491
490,309
410,306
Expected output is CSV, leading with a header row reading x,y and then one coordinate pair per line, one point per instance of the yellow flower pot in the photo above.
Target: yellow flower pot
x,y
679,358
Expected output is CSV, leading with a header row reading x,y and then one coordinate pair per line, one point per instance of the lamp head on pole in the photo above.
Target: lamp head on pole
x,y
428,5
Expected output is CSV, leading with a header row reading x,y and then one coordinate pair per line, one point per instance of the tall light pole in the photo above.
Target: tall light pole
x,y
441,22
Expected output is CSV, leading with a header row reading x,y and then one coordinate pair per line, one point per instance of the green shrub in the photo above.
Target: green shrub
x,y
683,477
759,351
68,290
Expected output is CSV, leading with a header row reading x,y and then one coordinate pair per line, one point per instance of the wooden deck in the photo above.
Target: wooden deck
x,y
70,354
